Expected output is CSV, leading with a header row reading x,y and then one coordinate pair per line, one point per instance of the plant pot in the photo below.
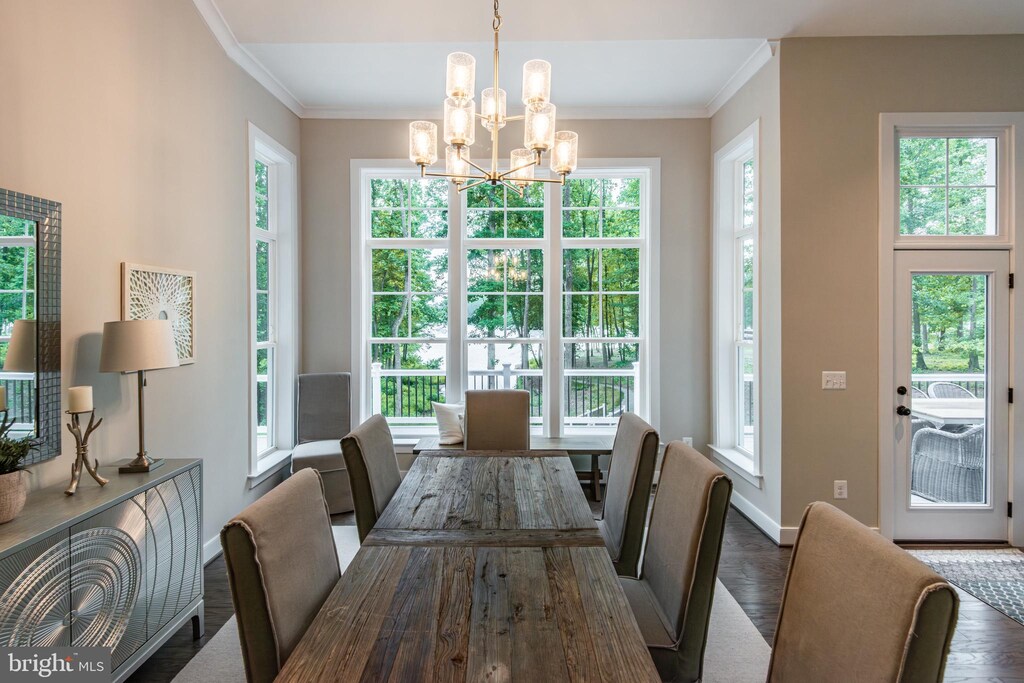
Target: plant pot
x,y
13,491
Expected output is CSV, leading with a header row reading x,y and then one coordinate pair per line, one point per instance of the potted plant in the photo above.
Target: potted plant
x,y
13,488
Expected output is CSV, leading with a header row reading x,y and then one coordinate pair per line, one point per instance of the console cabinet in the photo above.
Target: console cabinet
x,y
117,566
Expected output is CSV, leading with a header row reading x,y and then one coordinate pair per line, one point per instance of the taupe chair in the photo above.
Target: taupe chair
x,y
497,420
372,470
630,473
672,598
855,603
322,419
276,597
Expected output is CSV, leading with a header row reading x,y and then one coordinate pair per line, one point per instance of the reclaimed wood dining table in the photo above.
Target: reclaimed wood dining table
x,y
483,567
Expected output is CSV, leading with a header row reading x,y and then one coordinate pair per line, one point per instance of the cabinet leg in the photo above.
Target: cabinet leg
x,y
198,624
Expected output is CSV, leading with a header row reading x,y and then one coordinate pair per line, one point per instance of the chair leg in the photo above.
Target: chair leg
x,y
595,476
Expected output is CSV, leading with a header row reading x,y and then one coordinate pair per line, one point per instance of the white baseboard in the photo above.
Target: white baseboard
x,y
211,550
761,520
788,534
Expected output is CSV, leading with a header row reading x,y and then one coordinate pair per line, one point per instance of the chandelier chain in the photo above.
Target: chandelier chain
x,y
497,17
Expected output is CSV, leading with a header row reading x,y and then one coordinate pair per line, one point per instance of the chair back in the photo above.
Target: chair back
x,y
680,564
948,390
323,404
917,393
857,604
275,597
628,494
497,420
372,470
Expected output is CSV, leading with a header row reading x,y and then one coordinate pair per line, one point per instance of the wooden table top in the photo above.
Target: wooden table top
x,y
481,568
583,444
414,613
489,492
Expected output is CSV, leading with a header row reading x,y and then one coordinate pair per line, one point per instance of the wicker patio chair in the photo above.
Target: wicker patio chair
x,y
947,467
948,390
917,393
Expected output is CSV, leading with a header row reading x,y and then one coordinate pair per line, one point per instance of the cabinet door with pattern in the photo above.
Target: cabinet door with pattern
x,y
174,560
35,609
107,558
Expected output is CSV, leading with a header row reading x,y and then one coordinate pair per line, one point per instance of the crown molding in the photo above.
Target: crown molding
x,y
222,32
761,56
564,113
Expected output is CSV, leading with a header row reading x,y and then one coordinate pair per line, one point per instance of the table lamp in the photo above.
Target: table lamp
x,y
137,346
21,350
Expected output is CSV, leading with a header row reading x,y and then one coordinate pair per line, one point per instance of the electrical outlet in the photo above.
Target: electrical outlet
x,y
839,489
833,380
688,440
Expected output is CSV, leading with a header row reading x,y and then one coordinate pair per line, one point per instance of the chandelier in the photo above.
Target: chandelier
x,y
460,117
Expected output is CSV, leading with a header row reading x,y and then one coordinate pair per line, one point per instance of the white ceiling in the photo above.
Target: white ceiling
x,y
385,58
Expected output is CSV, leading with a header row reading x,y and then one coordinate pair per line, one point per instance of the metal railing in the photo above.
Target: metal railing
x,y
590,396
21,397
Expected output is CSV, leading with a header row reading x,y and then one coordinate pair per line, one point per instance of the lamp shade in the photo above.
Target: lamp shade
x,y
132,345
21,350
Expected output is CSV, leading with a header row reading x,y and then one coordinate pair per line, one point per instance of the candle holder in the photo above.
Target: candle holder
x,y
5,423
82,451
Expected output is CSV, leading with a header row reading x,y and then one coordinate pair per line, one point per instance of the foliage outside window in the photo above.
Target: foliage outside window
x,y
500,252
264,255
947,185
745,246
17,302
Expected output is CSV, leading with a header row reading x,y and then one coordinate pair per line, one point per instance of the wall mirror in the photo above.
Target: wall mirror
x,y
30,320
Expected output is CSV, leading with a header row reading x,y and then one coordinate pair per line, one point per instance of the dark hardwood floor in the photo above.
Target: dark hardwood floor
x,y
988,646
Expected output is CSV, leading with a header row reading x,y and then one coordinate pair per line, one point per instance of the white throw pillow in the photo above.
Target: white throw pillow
x,y
449,421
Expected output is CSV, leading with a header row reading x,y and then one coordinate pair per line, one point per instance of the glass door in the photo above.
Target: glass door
x,y
950,395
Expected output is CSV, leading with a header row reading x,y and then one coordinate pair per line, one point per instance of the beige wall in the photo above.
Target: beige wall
x,y
683,147
832,91
758,100
129,113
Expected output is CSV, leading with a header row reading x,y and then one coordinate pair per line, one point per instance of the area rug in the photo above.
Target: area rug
x,y
736,652
996,577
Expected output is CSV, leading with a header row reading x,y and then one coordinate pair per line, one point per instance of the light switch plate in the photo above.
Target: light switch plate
x,y
833,380
688,440
840,489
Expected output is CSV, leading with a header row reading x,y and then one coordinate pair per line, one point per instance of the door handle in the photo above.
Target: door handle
x,y
902,410
902,391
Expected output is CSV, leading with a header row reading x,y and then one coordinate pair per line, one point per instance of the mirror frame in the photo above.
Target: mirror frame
x,y
47,215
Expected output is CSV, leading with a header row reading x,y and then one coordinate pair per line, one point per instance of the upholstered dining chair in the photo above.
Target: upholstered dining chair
x,y
628,495
497,420
275,597
322,418
372,470
672,598
855,603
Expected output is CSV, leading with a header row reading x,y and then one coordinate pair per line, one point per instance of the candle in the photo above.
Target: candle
x,y
80,399
3,398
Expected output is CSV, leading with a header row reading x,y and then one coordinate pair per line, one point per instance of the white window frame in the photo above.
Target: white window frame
x,y
727,314
282,185
647,399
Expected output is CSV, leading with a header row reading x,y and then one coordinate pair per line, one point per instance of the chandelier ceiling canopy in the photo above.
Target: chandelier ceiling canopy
x,y
461,116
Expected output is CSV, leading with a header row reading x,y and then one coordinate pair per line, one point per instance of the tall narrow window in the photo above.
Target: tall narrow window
x,y
736,379
273,288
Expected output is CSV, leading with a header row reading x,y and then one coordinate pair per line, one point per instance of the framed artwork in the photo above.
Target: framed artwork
x,y
154,293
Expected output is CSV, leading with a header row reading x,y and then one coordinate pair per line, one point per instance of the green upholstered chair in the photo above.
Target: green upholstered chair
x,y
275,597
628,494
855,603
672,598
372,470
497,420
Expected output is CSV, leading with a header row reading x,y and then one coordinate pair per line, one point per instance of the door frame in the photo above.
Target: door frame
x,y
1014,182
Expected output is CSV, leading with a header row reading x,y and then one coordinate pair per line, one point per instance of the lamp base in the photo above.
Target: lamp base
x,y
140,465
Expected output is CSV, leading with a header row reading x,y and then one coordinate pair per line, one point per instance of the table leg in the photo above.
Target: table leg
x,y
595,476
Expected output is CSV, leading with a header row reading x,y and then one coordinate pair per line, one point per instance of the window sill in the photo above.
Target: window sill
x,y
737,462
268,466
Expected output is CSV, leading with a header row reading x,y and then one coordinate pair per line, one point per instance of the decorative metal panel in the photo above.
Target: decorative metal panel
x,y
174,563
34,602
47,216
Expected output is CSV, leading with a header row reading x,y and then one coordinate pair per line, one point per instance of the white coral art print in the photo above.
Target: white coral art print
x,y
153,293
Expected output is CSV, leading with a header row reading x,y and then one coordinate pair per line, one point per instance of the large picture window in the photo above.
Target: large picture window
x,y
486,289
